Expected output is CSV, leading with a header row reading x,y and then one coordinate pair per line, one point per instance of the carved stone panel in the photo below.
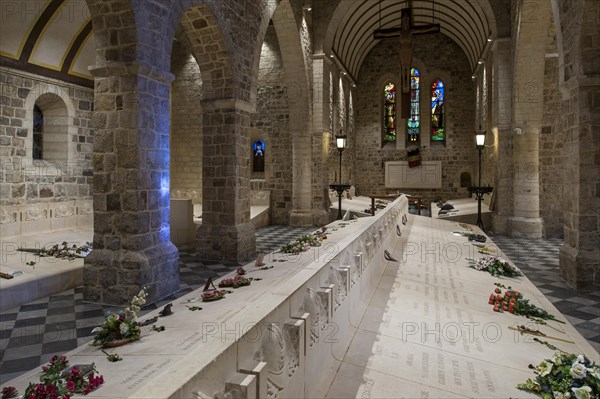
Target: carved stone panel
x,y
280,350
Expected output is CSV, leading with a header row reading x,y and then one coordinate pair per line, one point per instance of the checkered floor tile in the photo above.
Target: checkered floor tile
x,y
538,260
271,238
31,334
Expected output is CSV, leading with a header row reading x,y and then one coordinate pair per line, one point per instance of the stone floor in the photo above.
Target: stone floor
x,y
31,334
538,260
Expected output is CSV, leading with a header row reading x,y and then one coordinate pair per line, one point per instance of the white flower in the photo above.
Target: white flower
x,y
545,368
578,371
560,395
584,392
557,359
124,329
595,371
580,359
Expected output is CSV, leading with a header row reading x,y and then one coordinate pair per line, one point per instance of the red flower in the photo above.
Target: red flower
x,y
9,392
71,386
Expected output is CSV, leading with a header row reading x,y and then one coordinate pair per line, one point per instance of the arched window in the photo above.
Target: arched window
x,y
438,126
414,122
389,112
50,138
38,130
258,156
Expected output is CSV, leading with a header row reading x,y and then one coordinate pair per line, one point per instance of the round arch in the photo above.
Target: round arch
x,y
351,26
58,111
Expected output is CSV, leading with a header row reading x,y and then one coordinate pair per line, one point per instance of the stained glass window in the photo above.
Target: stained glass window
x,y
38,129
258,156
438,131
414,122
389,112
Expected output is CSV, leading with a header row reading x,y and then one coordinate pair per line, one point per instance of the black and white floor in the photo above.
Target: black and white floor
x,y
31,334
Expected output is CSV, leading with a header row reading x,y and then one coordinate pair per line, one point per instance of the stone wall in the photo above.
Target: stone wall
x,y
437,56
24,180
551,150
578,74
272,125
186,126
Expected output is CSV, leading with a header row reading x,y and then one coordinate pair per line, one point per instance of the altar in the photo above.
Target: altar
x,y
386,307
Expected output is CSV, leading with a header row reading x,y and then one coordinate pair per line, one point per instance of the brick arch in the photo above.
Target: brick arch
x,y
226,40
115,29
577,21
201,33
58,109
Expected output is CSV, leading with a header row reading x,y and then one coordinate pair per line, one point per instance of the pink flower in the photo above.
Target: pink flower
x,y
71,386
9,392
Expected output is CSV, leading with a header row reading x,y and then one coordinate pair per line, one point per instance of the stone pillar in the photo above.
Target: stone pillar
x,y
525,220
501,122
132,246
530,40
226,233
320,124
302,161
580,255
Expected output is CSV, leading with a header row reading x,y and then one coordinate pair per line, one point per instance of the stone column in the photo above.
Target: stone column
x,y
226,233
580,255
302,161
320,142
525,220
530,41
501,120
132,246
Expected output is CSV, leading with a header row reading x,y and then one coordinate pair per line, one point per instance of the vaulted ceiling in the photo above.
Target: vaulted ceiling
x,y
54,37
48,37
470,23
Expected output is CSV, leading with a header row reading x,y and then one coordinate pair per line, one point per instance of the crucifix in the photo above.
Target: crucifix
x,y
405,32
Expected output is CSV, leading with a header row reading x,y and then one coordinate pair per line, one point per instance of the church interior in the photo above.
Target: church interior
x,y
300,198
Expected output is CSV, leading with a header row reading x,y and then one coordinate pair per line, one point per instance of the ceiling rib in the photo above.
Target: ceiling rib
x,y
464,21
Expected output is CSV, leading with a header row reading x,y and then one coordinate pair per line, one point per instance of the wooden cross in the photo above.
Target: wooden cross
x,y
405,32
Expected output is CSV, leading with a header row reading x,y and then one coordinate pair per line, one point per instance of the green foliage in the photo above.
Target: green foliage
x,y
123,325
61,251
564,376
58,381
303,243
496,266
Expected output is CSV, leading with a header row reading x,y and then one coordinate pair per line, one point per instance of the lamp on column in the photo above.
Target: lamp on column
x,y
480,191
340,143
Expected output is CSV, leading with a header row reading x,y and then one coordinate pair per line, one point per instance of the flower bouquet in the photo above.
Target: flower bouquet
x,y
513,302
234,282
62,251
496,266
303,243
58,381
123,327
212,295
9,392
565,376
